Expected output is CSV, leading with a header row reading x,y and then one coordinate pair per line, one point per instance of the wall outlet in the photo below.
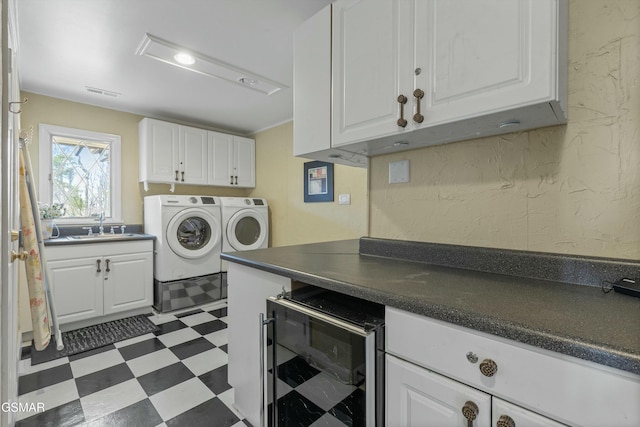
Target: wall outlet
x,y
344,199
399,172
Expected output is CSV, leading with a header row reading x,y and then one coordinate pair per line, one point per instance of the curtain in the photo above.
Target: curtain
x,y
37,296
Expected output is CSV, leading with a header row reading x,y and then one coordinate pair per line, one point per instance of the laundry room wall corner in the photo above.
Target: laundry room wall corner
x,y
279,179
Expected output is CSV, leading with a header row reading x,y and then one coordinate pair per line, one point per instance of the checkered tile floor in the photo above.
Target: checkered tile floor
x,y
176,376
310,397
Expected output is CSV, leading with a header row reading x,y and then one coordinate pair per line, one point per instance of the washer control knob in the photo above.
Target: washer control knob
x,y
193,200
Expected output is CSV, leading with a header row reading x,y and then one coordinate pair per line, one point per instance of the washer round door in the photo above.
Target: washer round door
x,y
246,230
193,233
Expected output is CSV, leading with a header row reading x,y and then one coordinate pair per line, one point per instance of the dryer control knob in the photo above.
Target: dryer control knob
x,y
193,200
247,201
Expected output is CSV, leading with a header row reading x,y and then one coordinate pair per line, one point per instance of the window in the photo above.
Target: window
x,y
81,170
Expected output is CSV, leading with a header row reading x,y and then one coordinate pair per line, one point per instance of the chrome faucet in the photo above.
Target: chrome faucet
x,y
101,228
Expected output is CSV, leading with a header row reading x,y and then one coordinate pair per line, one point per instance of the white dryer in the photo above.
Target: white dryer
x,y
188,235
245,224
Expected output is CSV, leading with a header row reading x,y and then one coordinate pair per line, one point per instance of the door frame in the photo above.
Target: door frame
x,y
9,129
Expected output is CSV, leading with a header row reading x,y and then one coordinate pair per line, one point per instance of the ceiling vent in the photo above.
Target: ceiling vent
x,y
179,56
104,92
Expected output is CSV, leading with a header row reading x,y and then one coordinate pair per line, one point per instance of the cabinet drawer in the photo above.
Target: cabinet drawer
x,y
561,387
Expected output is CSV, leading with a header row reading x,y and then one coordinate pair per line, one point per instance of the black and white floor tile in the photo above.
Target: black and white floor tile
x,y
176,376
311,397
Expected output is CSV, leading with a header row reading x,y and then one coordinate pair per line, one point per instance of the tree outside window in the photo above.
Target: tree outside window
x,y
82,175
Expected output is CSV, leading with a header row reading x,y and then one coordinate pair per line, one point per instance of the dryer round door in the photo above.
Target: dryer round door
x,y
247,229
193,233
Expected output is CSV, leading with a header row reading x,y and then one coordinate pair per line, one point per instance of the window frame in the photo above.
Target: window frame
x,y
45,134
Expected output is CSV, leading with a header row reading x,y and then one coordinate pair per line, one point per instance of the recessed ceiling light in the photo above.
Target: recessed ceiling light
x,y
169,53
184,58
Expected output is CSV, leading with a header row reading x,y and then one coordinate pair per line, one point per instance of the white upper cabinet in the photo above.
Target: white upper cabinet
x,y
193,155
172,153
312,93
177,154
452,69
367,68
220,155
244,161
159,152
232,160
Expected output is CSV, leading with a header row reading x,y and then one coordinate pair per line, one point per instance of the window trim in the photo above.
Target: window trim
x,y
46,132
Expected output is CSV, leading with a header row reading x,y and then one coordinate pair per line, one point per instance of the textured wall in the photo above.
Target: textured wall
x,y
280,181
565,189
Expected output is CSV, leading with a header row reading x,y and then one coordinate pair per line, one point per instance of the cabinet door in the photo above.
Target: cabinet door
x,y
220,159
417,397
312,84
77,288
371,46
244,162
128,282
483,56
248,290
502,410
193,156
159,155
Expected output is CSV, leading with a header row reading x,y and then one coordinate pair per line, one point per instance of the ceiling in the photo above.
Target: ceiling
x,y
65,46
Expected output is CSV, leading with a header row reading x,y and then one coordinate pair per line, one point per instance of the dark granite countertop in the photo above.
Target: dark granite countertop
x,y
574,319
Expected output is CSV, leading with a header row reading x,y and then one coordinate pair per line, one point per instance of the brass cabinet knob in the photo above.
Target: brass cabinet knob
x,y
22,256
470,411
488,367
505,421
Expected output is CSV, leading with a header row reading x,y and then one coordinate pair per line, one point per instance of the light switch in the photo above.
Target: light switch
x,y
399,172
344,199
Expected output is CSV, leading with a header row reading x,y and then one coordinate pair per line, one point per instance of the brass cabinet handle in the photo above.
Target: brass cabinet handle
x,y
22,256
488,367
14,235
176,174
419,94
98,270
182,176
470,412
505,421
107,261
401,121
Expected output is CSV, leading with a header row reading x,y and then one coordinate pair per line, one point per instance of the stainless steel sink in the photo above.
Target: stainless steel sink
x,y
103,236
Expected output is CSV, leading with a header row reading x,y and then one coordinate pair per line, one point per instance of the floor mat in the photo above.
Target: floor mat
x,y
91,337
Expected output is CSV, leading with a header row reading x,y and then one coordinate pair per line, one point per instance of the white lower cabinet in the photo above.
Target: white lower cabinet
x,y
443,365
248,290
128,284
94,280
505,414
417,397
77,289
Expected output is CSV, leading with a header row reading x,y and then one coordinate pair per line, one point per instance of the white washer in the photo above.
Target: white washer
x,y
245,224
188,235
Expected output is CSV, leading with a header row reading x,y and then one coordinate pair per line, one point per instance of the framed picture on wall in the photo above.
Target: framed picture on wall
x,y
318,182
